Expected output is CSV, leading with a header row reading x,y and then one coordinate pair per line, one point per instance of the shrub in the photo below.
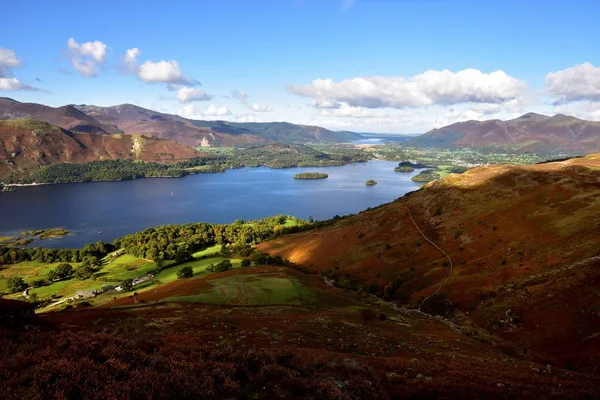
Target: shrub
x,y
16,284
83,273
246,263
39,282
223,266
185,272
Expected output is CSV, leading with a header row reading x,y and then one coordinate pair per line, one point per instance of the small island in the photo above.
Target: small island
x,y
404,169
371,182
311,175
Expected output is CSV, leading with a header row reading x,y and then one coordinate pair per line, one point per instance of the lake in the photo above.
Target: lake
x,y
119,208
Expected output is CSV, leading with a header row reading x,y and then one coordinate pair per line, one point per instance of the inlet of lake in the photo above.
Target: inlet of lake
x,y
107,210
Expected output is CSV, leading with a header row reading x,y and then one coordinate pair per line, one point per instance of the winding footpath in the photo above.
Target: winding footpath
x,y
440,249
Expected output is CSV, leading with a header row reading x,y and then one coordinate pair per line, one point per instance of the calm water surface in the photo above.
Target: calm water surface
x,y
119,208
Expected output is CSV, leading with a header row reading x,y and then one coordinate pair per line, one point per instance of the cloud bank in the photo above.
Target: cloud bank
x,y
426,89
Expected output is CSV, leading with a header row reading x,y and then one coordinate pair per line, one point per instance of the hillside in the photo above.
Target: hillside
x,y
134,119
530,132
264,332
484,285
67,117
522,255
27,145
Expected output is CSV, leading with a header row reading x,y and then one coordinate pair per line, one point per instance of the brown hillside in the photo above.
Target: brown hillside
x,y
67,117
26,145
523,241
530,132
137,120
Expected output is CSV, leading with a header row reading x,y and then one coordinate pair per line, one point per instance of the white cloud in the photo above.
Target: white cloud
x,y
161,71
187,94
86,57
9,61
212,112
96,49
589,110
426,89
130,58
241,96
85,67
344,110
261,107
13,84
167,72
581,82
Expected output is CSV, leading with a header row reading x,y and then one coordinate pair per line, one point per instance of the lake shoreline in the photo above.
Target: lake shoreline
x,y
188,173
119,208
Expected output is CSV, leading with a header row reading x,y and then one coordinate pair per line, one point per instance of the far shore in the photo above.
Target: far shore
x,y
23,184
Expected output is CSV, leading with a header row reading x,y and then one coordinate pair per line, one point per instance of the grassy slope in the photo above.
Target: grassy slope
x,y
515,235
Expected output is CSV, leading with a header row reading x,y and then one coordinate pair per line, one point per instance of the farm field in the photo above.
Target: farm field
x,y
246,287
111,273
256,286
199,266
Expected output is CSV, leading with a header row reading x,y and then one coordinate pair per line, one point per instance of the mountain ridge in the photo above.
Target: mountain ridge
x,y
529,132
131,119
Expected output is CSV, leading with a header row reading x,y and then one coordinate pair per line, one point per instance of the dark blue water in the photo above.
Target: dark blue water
x,y
119,208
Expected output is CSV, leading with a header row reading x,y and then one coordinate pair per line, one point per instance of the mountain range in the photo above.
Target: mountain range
x,y
131,119
529,132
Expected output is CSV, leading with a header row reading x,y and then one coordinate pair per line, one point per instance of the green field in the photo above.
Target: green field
x,y
252,289
124,267
116,271
199,267
208,251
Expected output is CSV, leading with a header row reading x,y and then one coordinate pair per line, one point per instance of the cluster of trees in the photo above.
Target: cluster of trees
x,y
223,266
111,170
178,242
90,253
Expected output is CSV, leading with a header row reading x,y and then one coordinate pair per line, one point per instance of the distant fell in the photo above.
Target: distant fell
x,y
529,132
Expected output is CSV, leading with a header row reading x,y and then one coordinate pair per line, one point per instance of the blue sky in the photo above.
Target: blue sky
x,y
360,65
